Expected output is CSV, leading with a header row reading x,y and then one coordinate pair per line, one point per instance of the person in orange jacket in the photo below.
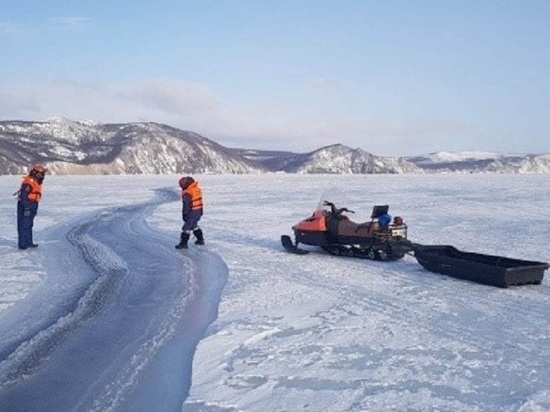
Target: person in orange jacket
x,y
191,212
29,196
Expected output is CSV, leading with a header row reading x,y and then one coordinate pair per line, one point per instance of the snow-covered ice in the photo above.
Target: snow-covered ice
x,y
107,315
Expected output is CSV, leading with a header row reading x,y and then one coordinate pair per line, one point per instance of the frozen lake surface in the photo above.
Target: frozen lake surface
x,y
107,315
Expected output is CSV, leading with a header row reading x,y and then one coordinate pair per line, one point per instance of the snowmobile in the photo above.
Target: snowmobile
x,y
384,238
330,228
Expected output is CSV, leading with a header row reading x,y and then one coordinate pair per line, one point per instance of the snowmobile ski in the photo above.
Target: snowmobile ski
x,y
291,247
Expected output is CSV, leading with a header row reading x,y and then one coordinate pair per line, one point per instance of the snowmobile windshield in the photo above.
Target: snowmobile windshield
x,y
323,207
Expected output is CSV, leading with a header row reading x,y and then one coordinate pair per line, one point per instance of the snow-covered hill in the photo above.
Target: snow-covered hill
x,y
339,159
68,147
72,147
478,162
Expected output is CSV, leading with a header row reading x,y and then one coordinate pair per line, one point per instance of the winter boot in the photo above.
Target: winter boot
x,y
184,238
200,237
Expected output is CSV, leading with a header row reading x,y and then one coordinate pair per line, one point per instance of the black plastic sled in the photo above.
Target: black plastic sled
x,y
476,267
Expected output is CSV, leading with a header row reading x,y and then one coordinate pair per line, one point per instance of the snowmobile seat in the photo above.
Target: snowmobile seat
x,y
348,228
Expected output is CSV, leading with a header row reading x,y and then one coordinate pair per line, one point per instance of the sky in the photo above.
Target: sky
x,y
392,77
105,315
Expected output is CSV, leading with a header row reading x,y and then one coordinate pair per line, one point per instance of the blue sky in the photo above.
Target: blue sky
x,y
392,77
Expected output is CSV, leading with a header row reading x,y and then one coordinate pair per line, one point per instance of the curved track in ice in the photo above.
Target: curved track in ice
x,y
117,329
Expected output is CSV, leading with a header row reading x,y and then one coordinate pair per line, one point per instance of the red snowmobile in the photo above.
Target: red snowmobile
x,y
330,228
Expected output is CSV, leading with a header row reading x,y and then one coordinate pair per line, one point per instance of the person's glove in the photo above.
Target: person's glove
x,y
27,213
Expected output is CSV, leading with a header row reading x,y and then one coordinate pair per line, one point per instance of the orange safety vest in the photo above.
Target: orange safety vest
x,y
195,192
36,189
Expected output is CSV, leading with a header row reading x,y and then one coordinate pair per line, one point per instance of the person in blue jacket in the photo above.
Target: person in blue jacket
x,y
29,196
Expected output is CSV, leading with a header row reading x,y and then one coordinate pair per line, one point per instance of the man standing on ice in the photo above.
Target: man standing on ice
x,y
29,196
192,208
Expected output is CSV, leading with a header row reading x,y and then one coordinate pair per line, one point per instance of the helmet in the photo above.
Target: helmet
x,y
38,172
184,182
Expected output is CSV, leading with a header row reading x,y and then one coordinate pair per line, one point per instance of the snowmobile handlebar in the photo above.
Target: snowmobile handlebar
x,y
336,211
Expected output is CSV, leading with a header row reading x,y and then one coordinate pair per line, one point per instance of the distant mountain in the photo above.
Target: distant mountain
x,y
72,147
68,147
482,162
335,159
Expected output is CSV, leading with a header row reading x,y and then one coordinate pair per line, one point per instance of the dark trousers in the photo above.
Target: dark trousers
x,y
191,221
24,228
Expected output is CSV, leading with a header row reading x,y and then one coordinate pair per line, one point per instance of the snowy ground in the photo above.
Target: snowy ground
x,y
105,314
